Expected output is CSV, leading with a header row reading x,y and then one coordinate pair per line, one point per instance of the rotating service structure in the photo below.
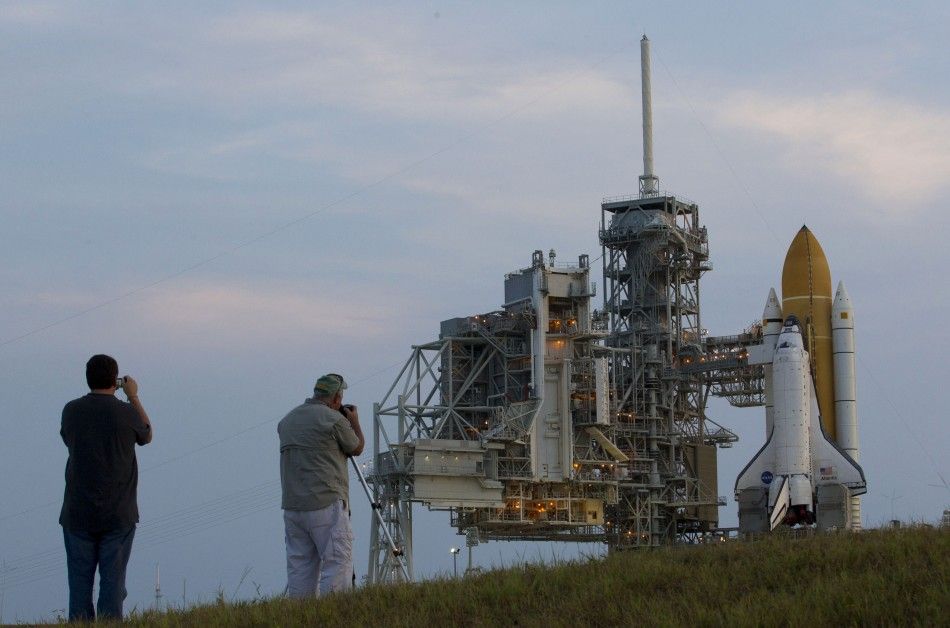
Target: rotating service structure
x,y
525,424
502,421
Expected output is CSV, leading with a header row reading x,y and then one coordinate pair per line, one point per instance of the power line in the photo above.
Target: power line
x,y
191,521
158,531
722,155
920,443
187,515
339,201
278,229
255,499
201,448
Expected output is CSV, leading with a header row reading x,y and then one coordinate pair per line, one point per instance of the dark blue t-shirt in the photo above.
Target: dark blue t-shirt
x,y
101,473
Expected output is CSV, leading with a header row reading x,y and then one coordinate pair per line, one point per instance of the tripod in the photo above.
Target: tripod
x,y
377,510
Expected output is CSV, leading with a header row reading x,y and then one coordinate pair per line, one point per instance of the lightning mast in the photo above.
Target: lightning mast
x,y
654,252
649,182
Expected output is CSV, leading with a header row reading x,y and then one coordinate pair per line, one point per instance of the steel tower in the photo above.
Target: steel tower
x,y
654,253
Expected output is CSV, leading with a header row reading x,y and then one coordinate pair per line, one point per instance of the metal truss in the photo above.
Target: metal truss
x,y
654,253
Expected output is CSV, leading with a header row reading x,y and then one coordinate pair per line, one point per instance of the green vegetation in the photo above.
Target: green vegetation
x,y
879,577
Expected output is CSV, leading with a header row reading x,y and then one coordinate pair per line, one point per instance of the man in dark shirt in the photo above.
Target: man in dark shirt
x,y
99,507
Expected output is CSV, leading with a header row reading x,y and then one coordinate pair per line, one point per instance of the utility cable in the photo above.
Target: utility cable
x,y
257,498
200,448
745,191
178,524
722,154
191,520
183,513
907,427
388,177
303,218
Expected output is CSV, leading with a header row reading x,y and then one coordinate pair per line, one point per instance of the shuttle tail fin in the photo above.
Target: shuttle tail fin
x,y
779,502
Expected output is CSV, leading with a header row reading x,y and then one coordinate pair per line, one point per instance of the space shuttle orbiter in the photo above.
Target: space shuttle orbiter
x,y
799,461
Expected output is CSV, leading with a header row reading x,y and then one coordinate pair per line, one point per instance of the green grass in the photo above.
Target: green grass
x,y
879,578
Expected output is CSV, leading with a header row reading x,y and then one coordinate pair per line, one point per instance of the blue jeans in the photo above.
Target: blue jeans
x,y
110,552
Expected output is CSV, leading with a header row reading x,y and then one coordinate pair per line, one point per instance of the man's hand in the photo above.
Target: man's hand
x,y
131,387
351,414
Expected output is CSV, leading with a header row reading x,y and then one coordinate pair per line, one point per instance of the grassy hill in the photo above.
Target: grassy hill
x,y
879,577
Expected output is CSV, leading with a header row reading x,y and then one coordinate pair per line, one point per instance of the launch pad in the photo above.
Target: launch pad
x,y
558,418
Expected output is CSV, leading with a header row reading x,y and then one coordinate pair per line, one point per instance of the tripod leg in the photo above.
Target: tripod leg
x,y
377,510
349,513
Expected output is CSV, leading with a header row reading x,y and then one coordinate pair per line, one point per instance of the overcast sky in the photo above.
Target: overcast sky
x,y
234,198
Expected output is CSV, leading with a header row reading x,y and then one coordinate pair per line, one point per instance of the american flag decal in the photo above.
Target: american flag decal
x,y
826,470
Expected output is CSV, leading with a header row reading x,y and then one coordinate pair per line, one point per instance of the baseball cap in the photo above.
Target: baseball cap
x,y
329,384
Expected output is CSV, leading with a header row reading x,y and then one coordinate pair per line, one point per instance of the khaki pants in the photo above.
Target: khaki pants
x,y
319,550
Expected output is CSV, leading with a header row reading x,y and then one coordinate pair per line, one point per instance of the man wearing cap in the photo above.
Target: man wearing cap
x,y
316,438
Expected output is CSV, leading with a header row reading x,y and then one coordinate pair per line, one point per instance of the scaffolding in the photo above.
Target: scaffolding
x,y
504,421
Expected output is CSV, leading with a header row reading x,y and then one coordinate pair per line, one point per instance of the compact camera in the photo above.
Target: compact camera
x,y
120,382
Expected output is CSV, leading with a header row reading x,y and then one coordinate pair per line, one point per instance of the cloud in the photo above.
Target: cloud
x,y
270,58
29,14
888,149
270,27
240,97
223,312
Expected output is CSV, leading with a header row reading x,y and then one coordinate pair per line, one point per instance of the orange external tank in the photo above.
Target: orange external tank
x,y
806,293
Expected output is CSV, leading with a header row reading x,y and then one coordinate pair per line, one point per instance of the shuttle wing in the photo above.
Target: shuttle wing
x,y
762,353
829,464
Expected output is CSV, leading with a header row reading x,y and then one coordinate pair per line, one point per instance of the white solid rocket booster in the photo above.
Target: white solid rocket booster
x,y
771,326
846,412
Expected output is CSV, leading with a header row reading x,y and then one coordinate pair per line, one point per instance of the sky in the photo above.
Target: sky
x,y
234,198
